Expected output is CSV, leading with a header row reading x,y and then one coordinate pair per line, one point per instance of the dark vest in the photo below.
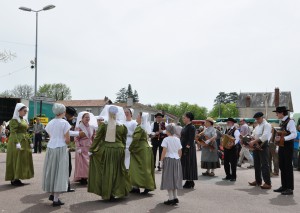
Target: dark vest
x,y
283,127
162,127
230,131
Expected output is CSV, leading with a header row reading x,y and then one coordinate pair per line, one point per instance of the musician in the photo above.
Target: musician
x,y
230,156
262,134
158,128
70,117
245,130
285,152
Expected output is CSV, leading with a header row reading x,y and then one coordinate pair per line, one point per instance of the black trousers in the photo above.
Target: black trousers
x,y
286,165
38,143
261,165
230,162
156,145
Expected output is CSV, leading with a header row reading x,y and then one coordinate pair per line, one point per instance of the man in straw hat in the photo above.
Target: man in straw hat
x,y
230,155
262,133
285,152
157,134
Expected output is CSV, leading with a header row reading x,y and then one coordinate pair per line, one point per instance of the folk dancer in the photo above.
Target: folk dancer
x,y
131,125
230,153
158,128
285,152
261,135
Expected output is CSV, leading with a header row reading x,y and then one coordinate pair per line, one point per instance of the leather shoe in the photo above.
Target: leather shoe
x,y
233,179
266,186
226,178
51,197
287,192
145,192
71,190
250,167
254,183
58,203
280,189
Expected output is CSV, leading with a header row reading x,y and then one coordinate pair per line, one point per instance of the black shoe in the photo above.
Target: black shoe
x,y
233,179
250,167
192,184
71,190
58,203
176,200
16,183
135,190
280,189
187,185
51,197
83,181
158,168
170,202
287,192
146,191
112,198
226,178
239,165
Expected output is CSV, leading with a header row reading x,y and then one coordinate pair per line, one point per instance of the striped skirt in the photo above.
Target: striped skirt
x,y
171,177
56,170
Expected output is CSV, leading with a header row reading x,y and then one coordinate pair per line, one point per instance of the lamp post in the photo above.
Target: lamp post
x,y
49,7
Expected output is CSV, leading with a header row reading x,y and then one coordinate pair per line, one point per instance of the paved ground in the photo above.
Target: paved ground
x,y
210,194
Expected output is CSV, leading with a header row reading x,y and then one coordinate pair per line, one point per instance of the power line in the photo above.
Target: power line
x,y
18,43
13,72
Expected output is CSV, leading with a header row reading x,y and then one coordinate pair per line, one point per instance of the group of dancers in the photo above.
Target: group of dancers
x,y
114,156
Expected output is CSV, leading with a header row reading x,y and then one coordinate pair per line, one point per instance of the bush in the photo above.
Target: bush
x,y
3,147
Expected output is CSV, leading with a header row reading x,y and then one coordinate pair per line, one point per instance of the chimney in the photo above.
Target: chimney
x,y
276,98
248,101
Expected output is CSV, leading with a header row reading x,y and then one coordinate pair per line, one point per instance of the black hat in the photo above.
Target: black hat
x,y
258,115
281,109
231,119
71,111
159,114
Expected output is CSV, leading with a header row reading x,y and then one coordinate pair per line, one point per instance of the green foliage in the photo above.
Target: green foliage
x,y
200,113
225,110
124,93
58,91
226,98
3,147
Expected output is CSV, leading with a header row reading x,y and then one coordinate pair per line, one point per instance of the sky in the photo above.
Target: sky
x,y
170,51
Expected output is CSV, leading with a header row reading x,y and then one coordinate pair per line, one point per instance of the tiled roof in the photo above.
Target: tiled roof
x,y
83,103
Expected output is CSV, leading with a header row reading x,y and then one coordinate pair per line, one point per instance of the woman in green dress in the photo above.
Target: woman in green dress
x,y
107,173
141,157
19,163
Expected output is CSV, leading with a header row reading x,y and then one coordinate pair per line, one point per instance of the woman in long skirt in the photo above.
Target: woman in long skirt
x,y
108,149
171,178
83,143
188,159
209,156
56,165
19,163
131,125
141,161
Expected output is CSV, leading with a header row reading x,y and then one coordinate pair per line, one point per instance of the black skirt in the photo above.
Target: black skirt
x,y
189,163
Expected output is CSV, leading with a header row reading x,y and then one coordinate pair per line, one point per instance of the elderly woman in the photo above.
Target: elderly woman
x,y
188,159
56,165
141,163
19,163
85,124
108,175
209,154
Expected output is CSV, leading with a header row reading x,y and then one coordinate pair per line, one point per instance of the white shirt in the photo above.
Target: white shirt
x,y
172,144
263,131
57,128
236,135
291,126
131,125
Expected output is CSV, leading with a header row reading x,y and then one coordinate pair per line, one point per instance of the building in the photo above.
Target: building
x,y
251,102
93,106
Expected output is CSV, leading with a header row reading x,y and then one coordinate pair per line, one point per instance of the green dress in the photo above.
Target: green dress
x,y
107,173
141,161
19,163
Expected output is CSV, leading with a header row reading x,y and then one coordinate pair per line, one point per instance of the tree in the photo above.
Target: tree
x,y
22,91
135,97
124,94
224,111
6,93
121,96
179,110
58,91
6,56
226,98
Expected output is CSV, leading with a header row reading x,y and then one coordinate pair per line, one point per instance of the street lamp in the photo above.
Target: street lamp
x,y
48,7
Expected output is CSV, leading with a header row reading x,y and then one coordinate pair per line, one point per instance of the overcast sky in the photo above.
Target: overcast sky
x,y
169,50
